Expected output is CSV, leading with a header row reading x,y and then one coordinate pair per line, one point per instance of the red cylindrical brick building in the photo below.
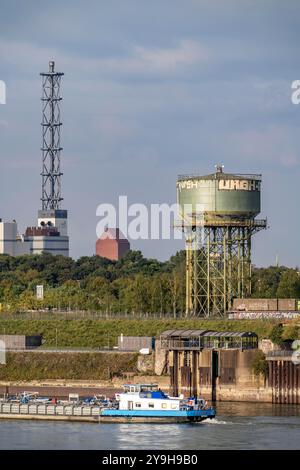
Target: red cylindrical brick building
x,y
112,244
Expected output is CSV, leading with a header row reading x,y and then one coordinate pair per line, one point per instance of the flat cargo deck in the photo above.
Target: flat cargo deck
x,y
49,412
96,414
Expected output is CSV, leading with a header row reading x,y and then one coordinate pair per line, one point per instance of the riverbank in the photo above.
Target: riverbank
x,y
219,374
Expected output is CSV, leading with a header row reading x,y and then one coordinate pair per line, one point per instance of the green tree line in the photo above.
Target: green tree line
x,y
130,285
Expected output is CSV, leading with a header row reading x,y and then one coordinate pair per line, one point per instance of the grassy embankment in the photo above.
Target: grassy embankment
x,y
77,366
97,334
104,333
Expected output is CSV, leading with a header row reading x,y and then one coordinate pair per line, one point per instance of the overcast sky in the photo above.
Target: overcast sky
x,y
153,89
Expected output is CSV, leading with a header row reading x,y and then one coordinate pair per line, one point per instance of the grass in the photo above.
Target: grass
x,y
104,333
81,366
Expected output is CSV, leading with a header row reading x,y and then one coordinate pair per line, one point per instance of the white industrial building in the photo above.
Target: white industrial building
x,y
11,243
49,236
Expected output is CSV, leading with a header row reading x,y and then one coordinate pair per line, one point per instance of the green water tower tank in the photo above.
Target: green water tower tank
x,y
220,196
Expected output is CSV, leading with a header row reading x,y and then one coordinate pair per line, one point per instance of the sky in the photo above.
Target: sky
x,y
152,90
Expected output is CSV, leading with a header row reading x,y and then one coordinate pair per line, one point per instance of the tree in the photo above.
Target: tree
x,y
132,284
292,332
289,285
265,281
259,364
100,294
276,334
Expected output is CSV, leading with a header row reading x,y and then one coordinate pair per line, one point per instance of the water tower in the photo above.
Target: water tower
x,y
218,216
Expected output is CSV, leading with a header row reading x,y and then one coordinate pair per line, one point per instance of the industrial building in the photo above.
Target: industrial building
x,y
196,340
219,366
21,342
112,244
11,242
218,217
51,233
136,343
198,360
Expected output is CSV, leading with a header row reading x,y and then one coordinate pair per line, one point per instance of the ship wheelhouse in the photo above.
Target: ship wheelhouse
x,y
146,397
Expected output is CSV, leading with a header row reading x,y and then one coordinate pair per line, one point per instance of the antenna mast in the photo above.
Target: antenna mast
x,y
51,174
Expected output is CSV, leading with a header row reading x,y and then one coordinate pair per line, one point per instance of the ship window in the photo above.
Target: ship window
x,y
151,405
164,405
173,406
138,405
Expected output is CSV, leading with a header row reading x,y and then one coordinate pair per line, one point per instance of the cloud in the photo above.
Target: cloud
x,y
289,160
3,123
269,147
137,59
187,53
150,90
113,127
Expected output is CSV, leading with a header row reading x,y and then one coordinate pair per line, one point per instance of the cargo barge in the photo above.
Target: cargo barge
x,y
50,412
140,403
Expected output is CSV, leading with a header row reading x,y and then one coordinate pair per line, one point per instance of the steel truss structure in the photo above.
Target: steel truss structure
x,y
218,265
51,123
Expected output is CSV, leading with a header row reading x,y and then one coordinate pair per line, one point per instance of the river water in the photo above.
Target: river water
x,y
237,426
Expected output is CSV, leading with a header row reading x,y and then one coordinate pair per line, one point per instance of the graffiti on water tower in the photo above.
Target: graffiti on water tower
x,y
224,184
240,185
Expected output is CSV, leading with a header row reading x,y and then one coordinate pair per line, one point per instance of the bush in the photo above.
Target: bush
x,y
73,366
259,364
292,332
276,334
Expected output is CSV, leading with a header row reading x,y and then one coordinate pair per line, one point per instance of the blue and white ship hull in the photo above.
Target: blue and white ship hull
x,y
156,416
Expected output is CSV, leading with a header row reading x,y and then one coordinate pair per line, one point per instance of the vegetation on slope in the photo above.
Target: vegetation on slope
x,y
133,284
77,366
104,333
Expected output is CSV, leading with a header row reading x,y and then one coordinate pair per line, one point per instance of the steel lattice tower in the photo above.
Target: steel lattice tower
x,y
51,173
219,269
